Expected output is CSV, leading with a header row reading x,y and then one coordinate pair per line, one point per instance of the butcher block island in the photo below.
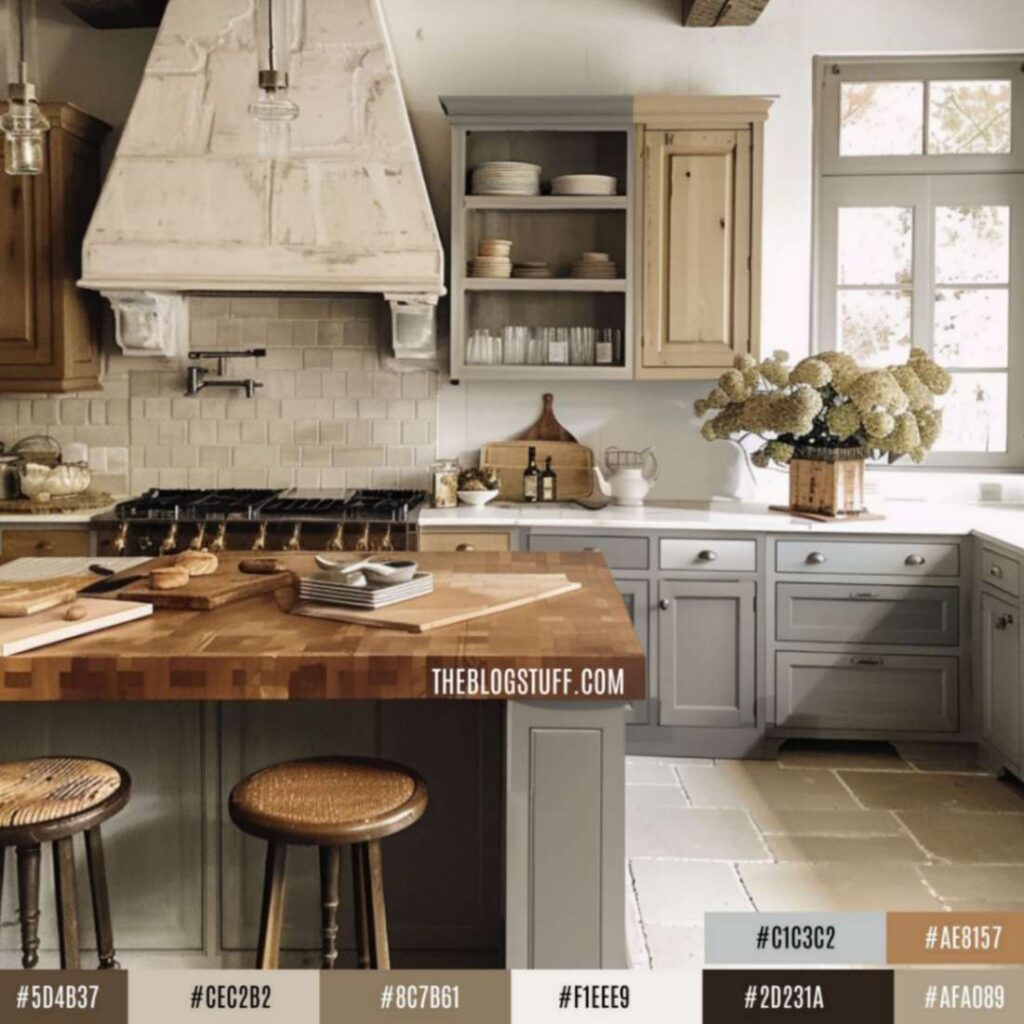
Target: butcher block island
x,y
515,719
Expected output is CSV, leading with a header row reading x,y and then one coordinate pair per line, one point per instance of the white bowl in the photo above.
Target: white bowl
x,y
477,498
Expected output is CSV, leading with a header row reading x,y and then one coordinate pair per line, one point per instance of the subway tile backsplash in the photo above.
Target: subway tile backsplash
x,y
329,413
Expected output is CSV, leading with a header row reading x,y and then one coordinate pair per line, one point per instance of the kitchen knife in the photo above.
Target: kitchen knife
x,y
105,586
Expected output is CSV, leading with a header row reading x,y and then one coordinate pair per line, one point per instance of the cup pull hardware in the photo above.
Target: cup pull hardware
x,y
863,660
864,595
816,558
707,555
465,547
914,560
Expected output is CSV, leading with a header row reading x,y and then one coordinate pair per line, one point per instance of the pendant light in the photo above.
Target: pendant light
x,y
273,110
23,124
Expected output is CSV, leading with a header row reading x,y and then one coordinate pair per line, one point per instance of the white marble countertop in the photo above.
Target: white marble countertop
x,y
1001,523
53,518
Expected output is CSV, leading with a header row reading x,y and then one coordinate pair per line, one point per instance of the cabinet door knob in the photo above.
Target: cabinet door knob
x,y
816,558
464,547
1003,621
707,556
995,570
664,604
914,560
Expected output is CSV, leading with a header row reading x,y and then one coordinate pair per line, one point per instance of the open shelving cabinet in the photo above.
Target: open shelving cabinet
x,y
564,135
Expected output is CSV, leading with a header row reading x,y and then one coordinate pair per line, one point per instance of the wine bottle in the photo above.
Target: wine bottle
x,y
548,482
531,478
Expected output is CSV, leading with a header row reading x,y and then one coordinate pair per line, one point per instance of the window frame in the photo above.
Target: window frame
x,y
922,182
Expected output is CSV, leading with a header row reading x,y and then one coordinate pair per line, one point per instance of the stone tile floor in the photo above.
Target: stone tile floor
x,y
826,827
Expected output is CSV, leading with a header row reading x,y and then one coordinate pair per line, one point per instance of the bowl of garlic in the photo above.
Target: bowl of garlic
x,y
42,483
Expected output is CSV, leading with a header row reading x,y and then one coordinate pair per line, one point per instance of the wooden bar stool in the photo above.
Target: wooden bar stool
x,y
50,800
329,802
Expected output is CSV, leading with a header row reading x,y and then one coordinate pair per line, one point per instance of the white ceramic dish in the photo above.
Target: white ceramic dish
x,y
477,498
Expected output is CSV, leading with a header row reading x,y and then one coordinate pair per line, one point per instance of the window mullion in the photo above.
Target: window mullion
x,y
923,311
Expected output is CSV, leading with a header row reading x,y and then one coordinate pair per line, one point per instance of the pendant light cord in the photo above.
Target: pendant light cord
x,y
271,49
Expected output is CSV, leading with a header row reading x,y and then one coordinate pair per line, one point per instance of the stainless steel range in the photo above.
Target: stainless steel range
x,y
166,521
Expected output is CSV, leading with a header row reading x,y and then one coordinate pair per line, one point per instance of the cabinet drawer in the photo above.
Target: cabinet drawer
x,y
903,693
1000,571
708,554
860,614
619,552
868,558
458,540
33,543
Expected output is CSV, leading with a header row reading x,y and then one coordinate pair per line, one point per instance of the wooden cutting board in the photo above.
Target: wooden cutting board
x,y
23,598
547,427
457,597
573,463
50,627
204,593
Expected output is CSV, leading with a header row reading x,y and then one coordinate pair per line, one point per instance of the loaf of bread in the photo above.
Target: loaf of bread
x,y
197,563
168,578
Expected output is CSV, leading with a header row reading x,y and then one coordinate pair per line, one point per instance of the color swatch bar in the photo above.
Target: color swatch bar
x,y
943,938
744,938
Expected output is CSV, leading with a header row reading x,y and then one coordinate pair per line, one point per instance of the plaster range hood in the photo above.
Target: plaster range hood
x,y
190,205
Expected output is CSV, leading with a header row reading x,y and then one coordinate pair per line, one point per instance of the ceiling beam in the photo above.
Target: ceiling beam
x,y
118,13
719,13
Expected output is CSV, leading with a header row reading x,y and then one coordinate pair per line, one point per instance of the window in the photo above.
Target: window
x,y
919,233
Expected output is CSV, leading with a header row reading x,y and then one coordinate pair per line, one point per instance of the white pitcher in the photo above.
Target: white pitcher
x,y
631,475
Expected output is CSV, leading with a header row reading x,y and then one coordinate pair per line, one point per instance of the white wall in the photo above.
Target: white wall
x,y
630,46
605,46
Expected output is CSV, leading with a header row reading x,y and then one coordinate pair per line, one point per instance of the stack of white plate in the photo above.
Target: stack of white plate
x,y
595,265
506,178
584,185
493,258
532,269
326,588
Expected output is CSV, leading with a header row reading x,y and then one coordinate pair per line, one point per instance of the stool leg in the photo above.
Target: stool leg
x,y
100,899
273,906
28,903
67,903
330,899
378,916
360,902
3,861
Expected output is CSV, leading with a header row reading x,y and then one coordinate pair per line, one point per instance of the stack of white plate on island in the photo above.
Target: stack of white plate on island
x,y
595,265
506,178
493,258
531,269
584,185
329,588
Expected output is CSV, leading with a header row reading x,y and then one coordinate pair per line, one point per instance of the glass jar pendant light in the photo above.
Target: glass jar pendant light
x,y
23,125
273,110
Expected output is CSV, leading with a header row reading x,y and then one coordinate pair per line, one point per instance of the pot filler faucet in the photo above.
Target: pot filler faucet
x,y
196,379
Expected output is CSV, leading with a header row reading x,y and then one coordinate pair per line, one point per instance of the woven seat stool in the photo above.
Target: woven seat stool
x,y
51,800
329,802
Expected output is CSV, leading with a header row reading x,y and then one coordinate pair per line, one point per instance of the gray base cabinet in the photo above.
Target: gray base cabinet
x,y
706,673
636,597
866,692
1001,677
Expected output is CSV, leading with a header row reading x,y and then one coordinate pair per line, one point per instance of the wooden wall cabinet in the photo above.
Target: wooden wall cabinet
x,y
49,327
699,203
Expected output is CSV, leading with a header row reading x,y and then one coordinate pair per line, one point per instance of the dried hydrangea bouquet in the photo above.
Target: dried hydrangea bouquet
x,y
824,416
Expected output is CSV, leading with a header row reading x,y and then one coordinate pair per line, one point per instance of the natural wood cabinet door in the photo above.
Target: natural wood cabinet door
x,y
697,249
49,327
1001,680
706,640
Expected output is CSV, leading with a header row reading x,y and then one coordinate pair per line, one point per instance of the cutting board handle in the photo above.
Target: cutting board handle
x,y
547,427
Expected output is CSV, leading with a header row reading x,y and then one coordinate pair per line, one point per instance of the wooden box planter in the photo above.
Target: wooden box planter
x,y
827,481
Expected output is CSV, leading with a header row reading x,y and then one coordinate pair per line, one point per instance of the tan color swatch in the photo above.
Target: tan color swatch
x,y
992,938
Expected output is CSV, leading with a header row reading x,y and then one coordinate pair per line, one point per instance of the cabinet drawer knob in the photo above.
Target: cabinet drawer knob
x,y
464,547
867,661
45,546
995,570
864,595
1003,621
593,550
707,555
816,558
914,560
664,604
